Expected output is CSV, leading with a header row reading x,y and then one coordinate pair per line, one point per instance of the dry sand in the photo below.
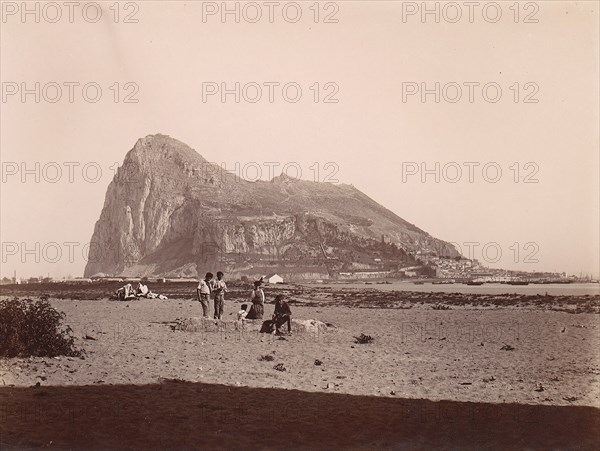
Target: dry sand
x,y
209,386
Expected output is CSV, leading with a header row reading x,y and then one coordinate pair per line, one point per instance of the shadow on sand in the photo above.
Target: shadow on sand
x,y
176,415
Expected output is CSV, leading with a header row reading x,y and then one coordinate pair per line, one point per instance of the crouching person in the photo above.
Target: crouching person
x,y
282,314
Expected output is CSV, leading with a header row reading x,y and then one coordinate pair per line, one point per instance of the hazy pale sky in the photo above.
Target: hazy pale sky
x,y
537,119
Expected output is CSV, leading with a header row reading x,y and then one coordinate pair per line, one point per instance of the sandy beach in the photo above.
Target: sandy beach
x,y
416,353
514,357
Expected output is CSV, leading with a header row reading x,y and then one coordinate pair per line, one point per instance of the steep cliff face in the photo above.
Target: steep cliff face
x,y
170,212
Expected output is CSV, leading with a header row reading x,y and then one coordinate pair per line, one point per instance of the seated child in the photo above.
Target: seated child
x,y
243,312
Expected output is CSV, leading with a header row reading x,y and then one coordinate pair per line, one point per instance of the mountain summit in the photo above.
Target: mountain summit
x,y
169,212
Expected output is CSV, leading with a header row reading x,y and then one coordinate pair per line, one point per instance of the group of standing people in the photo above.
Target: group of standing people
x,y
256,310
207,287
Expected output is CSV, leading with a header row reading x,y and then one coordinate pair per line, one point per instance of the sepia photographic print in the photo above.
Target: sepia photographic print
x,y
300,225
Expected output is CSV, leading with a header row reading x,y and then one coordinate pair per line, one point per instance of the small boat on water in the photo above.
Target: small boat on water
x,y
419,282
555,281
518,282
474,282
443,282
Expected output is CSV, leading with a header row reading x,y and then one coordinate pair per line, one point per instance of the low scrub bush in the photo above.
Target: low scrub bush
x,y
363,339
31,328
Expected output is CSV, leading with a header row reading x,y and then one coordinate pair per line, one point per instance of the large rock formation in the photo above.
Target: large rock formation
x,y
169,212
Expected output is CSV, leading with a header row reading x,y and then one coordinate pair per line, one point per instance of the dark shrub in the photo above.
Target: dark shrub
x,y
280,367
31,328
266,358
363,339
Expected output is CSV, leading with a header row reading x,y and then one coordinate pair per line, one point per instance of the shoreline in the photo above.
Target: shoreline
x,y
372,296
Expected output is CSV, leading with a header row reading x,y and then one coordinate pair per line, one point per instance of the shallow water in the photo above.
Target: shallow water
x,y
571,289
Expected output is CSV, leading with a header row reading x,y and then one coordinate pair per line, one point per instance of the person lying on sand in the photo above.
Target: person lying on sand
x,y
258,302
125,293
142,291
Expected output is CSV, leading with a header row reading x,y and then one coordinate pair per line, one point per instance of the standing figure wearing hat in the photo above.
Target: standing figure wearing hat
x,y
258,302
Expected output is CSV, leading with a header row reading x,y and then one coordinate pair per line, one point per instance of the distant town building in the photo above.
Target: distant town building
x,y
274,278
76,280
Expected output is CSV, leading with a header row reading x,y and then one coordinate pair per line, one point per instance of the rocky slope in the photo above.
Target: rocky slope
x,y
170,212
